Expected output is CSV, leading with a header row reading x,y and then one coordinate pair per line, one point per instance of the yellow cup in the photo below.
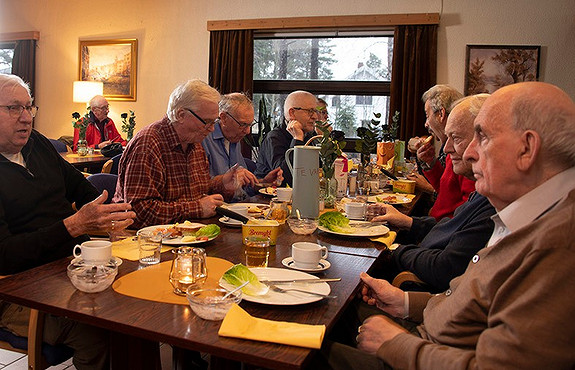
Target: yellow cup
x,y
262,228
404,186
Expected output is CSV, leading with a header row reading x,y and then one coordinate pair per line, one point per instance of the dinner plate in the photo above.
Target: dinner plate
x,y
230,222
387,198
322,266
360,232
265,191
290,298
178,240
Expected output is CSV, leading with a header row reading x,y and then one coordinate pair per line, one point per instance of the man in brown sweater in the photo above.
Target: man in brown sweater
x,y
512,307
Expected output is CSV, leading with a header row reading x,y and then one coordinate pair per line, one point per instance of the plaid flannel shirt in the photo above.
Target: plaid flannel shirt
x,y
161,182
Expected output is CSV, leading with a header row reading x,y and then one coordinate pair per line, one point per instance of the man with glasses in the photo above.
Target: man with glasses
x,y
223,144
300,115
164,172
101,130
38,224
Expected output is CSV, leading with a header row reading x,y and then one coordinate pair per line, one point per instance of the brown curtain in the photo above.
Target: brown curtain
x,y
24,62
232,61
414,71
232,65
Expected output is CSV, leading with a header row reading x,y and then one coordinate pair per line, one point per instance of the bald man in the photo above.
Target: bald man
x,y
300,114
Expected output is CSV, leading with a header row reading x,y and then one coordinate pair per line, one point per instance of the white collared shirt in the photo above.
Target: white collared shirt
x,y
532,205
17,158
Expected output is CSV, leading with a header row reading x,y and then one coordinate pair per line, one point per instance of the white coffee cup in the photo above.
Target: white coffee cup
x,y
239,208
355,211
94,251
284,194
307,255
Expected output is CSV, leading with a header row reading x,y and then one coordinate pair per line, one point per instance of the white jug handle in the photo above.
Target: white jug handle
x,y
287,159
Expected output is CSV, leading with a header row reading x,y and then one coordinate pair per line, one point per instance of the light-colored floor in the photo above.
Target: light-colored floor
x,y
16,361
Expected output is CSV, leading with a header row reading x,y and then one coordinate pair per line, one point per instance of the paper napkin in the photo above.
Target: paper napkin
x,y
386,239
239,324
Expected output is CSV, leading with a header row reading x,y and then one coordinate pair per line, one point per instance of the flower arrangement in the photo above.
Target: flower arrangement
x,y
369,136
128,124
330,149
81,123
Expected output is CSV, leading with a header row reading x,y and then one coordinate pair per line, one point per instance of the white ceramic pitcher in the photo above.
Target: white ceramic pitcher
x,y
305,173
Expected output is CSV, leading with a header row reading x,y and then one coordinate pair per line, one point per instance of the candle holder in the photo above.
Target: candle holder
x,y
188,269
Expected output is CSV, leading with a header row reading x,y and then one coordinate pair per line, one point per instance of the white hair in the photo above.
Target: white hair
x,y
191,95
7,80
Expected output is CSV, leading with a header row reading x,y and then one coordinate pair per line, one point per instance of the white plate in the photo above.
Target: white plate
x,y
364,231
176,241
322,266
230,222
264,191
399,198
283,299
79,259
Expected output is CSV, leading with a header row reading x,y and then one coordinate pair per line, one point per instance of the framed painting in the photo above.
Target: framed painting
x,y
113,62
489,67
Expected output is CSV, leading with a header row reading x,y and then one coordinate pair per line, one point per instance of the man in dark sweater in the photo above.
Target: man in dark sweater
x,y
37,221
436,252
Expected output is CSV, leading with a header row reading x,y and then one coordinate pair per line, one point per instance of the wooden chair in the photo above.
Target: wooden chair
x,y
111,166
406,277
40,355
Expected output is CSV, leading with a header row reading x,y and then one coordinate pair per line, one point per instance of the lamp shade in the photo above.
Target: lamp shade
x,y
86,90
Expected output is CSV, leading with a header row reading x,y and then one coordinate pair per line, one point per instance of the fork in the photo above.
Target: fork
x,y
286,290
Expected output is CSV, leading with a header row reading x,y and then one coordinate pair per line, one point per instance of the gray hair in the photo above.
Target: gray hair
x,y
233,101
441,96
474,103
191,95
7,80
94,99
294,98
553,118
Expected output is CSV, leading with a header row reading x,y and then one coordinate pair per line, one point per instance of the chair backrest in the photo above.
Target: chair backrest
x,y
60,146
251,164
105,181
111,166
40,355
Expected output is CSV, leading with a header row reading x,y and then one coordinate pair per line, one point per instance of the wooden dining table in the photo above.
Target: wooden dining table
x,y
90,163
47,288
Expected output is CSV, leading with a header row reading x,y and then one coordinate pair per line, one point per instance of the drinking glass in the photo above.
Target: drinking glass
x,y
257,251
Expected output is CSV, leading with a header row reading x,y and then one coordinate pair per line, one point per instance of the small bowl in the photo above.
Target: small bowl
x,y
208,303
304,226
92,278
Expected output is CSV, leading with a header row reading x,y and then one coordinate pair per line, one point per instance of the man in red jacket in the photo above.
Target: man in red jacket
x,y
101,130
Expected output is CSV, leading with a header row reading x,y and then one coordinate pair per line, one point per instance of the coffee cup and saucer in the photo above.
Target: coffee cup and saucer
x,y
95,252
309,257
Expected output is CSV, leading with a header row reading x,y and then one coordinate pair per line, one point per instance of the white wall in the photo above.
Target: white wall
x,y
174,43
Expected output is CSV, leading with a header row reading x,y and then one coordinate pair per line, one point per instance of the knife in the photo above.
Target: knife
x,y
299,281
388,174
231,214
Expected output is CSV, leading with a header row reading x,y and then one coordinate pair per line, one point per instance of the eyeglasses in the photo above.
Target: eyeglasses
x,y
15,111
210,123
104,108
309,111
242,125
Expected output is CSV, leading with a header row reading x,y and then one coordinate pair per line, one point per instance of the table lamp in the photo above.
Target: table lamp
x,y
86,90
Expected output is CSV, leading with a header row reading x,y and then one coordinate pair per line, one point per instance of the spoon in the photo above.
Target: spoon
x,y
298,214
235,290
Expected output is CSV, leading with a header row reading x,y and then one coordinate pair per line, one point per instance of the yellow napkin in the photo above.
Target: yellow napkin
x,y
239,324
128,249
386,239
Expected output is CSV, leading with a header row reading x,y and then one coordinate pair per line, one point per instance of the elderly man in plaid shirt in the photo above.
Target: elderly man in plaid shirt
x,y
164,172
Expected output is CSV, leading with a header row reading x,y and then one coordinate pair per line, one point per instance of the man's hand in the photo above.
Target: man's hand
x,y
325,124
380,293
376,330
390,214
97,217
104,143
274,177
209,203
426,153
238,177
295,128
421,183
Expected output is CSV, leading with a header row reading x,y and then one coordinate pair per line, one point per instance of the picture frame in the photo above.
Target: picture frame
x,y
113,62
489,67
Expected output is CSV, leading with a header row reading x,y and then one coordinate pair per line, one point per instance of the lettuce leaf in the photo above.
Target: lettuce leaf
x,y
239,274
211,231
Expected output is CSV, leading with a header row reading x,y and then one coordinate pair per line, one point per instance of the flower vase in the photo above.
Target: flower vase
x,y
129,135
82,147
328,192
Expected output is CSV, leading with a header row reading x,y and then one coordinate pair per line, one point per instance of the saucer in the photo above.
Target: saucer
x,y
79,260
322,266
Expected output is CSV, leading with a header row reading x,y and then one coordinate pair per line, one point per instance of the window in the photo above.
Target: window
x,y
351,72
6,56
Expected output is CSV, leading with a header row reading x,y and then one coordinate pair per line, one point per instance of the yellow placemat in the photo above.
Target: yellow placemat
x,y
152,283
128,249
239,324
386,239
75,155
